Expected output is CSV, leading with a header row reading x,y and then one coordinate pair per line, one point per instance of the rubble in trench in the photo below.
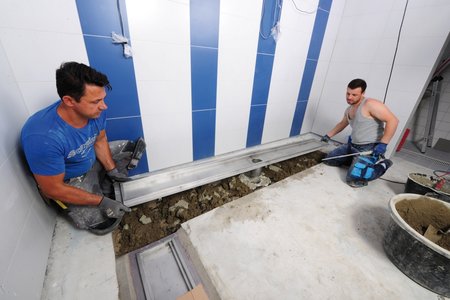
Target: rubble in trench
x,y
157,219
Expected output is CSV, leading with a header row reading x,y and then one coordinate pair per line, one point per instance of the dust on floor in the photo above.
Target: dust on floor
x,y
154,220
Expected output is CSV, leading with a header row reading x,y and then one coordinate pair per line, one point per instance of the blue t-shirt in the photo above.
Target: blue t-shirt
x,y
54,147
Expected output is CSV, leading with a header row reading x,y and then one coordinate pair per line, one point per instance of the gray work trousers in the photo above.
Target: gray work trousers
x,y
97,182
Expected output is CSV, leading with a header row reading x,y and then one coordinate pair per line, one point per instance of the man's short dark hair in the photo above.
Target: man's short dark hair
x,y
358,83
71,78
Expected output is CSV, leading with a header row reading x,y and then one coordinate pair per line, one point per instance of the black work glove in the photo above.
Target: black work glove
x,y
379,149
115,175
112,208
325,138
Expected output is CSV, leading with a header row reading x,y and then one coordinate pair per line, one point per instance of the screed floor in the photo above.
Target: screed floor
x,y
309,236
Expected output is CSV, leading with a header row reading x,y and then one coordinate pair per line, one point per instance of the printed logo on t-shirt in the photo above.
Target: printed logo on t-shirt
x,y
82,149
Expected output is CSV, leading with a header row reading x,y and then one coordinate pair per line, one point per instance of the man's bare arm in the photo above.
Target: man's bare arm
x,y
54,188
103,152
381,112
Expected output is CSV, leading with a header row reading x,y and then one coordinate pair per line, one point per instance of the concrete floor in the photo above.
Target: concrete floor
x,y
309,236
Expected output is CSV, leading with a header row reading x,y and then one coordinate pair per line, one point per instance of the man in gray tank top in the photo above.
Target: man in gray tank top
x,y
373,126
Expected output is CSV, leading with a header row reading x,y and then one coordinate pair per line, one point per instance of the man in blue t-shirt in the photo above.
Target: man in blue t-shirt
x,y
66,147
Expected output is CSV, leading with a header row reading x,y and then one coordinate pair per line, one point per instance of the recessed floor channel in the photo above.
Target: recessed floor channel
x,y
153,263
154,220
172,196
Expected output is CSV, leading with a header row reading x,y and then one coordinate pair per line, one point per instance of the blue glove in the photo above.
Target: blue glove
x,y
325,138
379,149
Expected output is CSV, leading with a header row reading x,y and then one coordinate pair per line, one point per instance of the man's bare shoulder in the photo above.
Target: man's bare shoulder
x,y
373,103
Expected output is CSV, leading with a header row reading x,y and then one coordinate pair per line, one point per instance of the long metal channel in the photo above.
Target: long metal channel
x,y
154,185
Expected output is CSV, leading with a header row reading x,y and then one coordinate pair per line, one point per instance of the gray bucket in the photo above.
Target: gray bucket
x,y
417,257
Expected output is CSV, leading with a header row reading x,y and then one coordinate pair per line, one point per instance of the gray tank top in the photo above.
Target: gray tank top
x,y
364,130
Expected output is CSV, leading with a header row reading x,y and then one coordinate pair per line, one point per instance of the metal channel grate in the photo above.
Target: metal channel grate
x,y
169,181
164,272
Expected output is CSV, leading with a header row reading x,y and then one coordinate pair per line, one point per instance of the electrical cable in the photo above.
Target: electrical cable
x,y
393,181
303,11
395,52
441,171
120,17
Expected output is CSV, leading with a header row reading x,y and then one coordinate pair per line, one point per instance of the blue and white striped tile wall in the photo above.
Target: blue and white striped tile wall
x,y
206,78
123,114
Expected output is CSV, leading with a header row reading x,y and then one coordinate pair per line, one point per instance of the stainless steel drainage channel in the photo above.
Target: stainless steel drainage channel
x,y
159,271
169,268
154,185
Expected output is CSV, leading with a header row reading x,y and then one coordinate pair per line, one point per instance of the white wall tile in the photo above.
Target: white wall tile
x,y
13,113
38,94
293,19
409,78
377,81
161,131
159,21
42,15
250,9
418,22
163,97
233,103
425,51
238,43
167,119
161,61
20,198
14,209
360,7
29,262
238,32
40,64
279,121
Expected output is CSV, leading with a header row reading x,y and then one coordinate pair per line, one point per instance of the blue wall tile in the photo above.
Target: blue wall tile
x,y
307,80
261,81
101,17
108,58
128,129
256,125
318,33
204,18
299,114
204,134
204,30
204,78
325,4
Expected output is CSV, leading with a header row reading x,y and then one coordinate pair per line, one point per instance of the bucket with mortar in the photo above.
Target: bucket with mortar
x,y
416,256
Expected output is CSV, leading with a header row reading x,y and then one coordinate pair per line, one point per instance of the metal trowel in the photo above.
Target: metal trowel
x,y
434,234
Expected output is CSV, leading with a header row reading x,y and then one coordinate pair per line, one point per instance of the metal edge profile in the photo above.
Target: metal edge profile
x,y
245,161
187,271
189,281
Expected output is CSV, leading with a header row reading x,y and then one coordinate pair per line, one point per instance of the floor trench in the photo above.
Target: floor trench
x,y
154,220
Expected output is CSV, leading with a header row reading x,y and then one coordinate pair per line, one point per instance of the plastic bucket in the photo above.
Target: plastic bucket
x,y
422,184
417,257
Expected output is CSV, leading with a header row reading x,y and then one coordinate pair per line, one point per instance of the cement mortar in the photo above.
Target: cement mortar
x,y
421,212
